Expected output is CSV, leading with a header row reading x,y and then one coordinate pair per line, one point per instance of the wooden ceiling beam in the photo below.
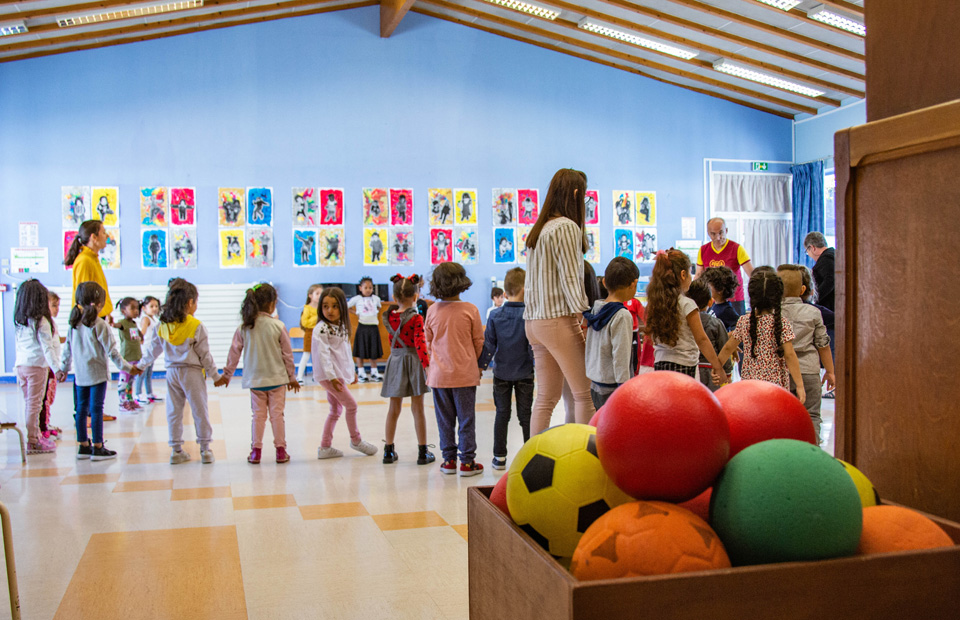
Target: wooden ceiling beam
x,y
201,28
844,6
598,49
391,14
803,17
600,61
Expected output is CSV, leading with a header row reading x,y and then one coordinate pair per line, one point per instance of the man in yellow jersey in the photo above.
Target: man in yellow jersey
x,y
722,252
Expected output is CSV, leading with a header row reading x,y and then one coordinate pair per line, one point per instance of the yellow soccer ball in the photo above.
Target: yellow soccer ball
x,y
868,494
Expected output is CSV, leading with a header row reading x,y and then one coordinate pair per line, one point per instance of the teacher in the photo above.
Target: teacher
x,y
722,252
555,298
84,256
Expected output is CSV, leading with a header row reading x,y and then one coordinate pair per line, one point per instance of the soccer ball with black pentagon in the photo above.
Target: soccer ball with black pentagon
x,y
557,488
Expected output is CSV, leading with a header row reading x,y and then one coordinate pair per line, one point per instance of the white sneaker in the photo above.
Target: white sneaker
x,y
364,446
329,453
376,377
206,456
179,456
362,378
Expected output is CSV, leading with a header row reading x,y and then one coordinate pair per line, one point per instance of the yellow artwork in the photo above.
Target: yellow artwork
x,y
466,207
231,248
106,205
646,208
374,246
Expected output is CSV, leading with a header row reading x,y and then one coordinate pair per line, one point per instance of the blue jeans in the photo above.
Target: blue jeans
x,y
453,405
144,379
89,402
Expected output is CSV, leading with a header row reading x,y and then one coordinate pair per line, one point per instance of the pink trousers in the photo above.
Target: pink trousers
x,y
268,403
558,352
33,386
340,402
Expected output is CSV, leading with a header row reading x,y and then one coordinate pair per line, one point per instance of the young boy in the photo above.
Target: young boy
x,y
505,342
610,331
700,293
496,295
723,285
811,341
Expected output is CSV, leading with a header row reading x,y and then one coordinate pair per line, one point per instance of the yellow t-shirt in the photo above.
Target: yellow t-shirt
x,y
86,268
309,317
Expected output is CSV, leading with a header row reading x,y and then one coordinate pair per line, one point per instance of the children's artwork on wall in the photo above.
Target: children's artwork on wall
x,y
232,201
304,206
645,246
106,205
183,245
521,250
375,206
441,206
623,209
623,242
231,248
646,208
529,205
504,241
401,246
374,246
332,249
74,205
592,255
68,236
441,245
183,206
153,206
466,207
153,248
259,246
504,206
466,247
304,247
110,254
401,207
591,199
260,206
331,207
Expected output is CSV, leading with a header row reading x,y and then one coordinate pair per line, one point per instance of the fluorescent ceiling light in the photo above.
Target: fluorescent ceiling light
x,y
12,28
786,5
128,12
832,18
725,66
626,37
528,7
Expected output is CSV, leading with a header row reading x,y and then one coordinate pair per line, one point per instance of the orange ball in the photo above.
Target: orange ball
x,y
894,528
647,538
498,496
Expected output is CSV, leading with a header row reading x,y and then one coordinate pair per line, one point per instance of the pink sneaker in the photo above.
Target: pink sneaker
x,y
42,446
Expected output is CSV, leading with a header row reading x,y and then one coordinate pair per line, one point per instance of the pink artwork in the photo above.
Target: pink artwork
x,y
331,207
68,236
591,201
529,205
441,245
401,207
182,206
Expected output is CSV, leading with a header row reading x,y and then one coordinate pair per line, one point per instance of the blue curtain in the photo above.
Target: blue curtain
x,y
807,206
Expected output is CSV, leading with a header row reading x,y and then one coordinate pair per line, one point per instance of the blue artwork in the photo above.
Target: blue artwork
x,y
260,206
304,248
623,242
153,248
504,242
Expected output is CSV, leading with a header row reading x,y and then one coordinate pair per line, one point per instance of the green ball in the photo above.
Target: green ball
x,y
785,500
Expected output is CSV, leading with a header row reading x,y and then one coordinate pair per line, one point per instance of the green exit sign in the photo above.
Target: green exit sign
x,y
760,166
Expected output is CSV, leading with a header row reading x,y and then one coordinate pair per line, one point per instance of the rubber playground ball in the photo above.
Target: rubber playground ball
x,y
498,496
895,528
868,494
760,410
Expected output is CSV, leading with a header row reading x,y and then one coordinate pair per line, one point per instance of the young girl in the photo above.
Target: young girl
x,y
333,369
267,367
149,309
404,373
46,429
673,319
130,339
454,338
89,343
36,356
308,320
183,341
366,343
768,352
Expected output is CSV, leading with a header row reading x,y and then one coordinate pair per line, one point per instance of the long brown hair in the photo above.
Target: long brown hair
x,y
86,230
663,295
257,299
341,300
564,199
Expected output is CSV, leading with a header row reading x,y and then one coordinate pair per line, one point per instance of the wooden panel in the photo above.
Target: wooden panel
x,y
391,13
912,57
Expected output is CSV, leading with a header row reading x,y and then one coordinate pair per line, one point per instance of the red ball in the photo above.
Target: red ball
x,y
499,495
596,416
663,436
759,410
700,505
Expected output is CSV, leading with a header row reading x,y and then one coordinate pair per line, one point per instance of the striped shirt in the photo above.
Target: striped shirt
x,y
554,284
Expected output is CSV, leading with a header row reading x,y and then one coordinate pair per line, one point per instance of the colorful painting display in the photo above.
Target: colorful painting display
x,y
441,206
466,247
623,208
153,248
183,246
375,206
466,207
304,247
401,246
153,206
183,206
646,208
592,255
331,207
304,206
504,206
260,206
401,207
259,247
231,248
591,200
110,254
441,245
504,242
68,236
232,201
106,205
374,246
332,251
623,242
645,246
529,205
521,250
74,205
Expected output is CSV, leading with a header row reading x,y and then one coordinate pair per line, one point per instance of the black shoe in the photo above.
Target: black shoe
x,y
389,454
102,453
426,457
499,462
83,452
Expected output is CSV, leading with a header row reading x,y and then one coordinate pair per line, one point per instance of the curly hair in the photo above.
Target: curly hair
x,y
258,299
699,292
449,280
722,280
766,295
663,296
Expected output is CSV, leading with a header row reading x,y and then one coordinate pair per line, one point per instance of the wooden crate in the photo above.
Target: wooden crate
x,y
511,577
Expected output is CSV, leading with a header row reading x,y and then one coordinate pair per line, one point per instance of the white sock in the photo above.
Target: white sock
x,y
302,369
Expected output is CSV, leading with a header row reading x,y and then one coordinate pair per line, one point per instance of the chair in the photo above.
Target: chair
x,y
4,426
11,565
296,332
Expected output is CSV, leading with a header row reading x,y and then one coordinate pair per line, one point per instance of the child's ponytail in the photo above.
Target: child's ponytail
x,y
404,289
663,294
766,295
89,297
86,230
258,299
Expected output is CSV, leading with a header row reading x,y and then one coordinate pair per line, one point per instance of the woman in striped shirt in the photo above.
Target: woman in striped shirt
x,y
555,298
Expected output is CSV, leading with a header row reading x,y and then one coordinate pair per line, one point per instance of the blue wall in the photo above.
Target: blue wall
x,y
323,100
813,136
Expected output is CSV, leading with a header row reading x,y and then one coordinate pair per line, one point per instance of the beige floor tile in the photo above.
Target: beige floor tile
x,y
160,452
143,485
158,417
177,495
253,502
333,511
408,520
91,479
44,472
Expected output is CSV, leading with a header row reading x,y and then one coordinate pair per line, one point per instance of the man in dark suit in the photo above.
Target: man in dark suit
x,y
823,270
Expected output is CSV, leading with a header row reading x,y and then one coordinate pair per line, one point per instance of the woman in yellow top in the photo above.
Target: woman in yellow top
x,y
308,320
84,255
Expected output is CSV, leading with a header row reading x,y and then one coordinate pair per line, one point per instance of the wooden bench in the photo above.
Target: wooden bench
x,y
5,426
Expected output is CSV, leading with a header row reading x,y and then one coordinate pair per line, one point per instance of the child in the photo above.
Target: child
x,y
767,339
46,429
404,373
723,286
89,343
149,309
366,342
673,320
184,343
454,339
610,331
308,320
36,357
333,369
267,367
496,295
699,292
811,342
130,339
505,342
